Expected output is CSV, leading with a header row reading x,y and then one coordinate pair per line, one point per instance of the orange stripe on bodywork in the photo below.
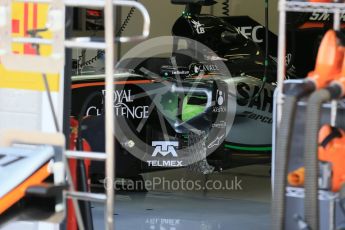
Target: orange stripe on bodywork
x,y
310,25
19,192
82,85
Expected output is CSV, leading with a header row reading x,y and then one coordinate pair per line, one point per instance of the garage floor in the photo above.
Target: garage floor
x,y
206,210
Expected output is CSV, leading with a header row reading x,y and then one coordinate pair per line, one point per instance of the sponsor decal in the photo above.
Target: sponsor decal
x,y
251,32
246,93
211,68
220,97
158,163
196,69
322,17
256,117
180,72
165,148
215,142
220,109
220,101
203,68
220,125
288,58
122,100
93,111
200,29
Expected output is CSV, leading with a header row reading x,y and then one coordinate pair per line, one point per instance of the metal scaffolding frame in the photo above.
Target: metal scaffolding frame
x,y
55,64
285,6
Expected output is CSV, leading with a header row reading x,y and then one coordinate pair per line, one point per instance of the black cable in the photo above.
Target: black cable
x,y
81,169
266,40
50,100
264,79
125,22
100,53
33,33
225,8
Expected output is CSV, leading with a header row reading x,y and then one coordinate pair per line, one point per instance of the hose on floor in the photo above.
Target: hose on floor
x,y
281,162
312,126
282,151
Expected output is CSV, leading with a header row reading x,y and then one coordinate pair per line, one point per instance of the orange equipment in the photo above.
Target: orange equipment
x,y
329,60
72,220
332,150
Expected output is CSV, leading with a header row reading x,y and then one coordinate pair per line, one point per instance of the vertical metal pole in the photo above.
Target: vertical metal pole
x,y
67,77
336,20
118,19
334,103
280,80
334,111
281,58
109,112
67,90
274,139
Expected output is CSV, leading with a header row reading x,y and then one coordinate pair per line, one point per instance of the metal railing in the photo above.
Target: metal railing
x,y
55,64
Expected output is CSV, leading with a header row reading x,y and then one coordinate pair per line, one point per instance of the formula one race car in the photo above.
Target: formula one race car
x,y
210,101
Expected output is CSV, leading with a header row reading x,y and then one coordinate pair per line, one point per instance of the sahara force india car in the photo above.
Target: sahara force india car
x,y
210,101
168,123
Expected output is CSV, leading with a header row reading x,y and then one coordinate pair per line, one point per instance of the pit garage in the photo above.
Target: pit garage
x,y
172,114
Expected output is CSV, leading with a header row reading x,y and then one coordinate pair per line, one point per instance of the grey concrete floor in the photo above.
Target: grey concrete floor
x,y
164,209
